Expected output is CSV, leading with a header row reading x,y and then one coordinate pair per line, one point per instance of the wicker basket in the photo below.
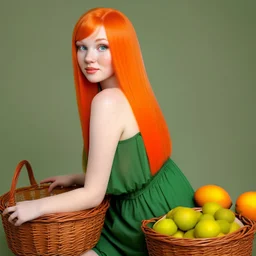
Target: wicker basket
x,y
238,243
62,234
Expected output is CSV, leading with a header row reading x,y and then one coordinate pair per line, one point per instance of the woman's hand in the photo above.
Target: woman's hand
x,y
23,212
61,181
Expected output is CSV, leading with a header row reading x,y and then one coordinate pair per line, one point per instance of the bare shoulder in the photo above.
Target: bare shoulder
x,y
107,114
109,98
111,109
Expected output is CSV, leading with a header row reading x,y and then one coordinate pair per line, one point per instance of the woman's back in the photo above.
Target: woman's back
x,y
130,170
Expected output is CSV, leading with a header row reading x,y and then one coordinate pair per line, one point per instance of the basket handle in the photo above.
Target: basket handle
x,y
15,179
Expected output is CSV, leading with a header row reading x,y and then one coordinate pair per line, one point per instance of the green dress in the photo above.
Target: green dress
x,y
136,195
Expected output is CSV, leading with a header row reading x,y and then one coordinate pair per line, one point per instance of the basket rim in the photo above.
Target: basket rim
x,y
249,229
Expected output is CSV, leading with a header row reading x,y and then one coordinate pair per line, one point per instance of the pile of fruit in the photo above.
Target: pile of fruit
x,y
214,219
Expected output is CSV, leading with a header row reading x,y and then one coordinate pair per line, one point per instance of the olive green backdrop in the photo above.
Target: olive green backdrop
x,y
200,58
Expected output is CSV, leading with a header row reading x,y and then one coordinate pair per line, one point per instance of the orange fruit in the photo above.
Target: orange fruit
x,y
212,193
246,205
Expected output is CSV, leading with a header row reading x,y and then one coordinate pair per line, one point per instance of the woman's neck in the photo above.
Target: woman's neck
x,y
111,82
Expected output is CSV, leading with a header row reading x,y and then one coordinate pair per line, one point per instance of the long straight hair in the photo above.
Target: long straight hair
x,y
132,78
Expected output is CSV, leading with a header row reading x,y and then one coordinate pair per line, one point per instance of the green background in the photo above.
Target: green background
x,y
200,58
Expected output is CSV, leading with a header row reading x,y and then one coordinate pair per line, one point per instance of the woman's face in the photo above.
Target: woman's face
x,y
94,58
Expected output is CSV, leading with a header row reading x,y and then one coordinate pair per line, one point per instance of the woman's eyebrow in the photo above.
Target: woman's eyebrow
x,y
100,39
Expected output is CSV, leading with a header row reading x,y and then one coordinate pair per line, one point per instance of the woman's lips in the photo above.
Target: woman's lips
x,y
91,70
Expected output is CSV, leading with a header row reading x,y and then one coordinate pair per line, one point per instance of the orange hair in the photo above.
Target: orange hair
x,y
131,75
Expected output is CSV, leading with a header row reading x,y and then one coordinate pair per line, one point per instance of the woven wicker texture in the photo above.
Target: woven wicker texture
x,y
62,234
238,243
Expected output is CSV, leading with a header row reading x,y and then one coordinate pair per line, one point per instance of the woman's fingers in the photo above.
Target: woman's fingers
x,y
9,209
51,180
47,180
13,217
18,223
52,186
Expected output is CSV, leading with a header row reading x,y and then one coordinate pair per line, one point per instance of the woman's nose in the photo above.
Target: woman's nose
x,y
90,56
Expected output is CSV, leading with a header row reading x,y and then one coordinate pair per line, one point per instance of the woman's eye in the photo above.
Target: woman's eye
x,y
103,48
81,48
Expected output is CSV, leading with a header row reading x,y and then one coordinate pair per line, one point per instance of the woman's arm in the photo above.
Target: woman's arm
x,y
78,179
106,127
64,181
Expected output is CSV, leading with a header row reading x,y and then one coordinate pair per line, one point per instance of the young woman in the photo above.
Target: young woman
x,y
127,146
